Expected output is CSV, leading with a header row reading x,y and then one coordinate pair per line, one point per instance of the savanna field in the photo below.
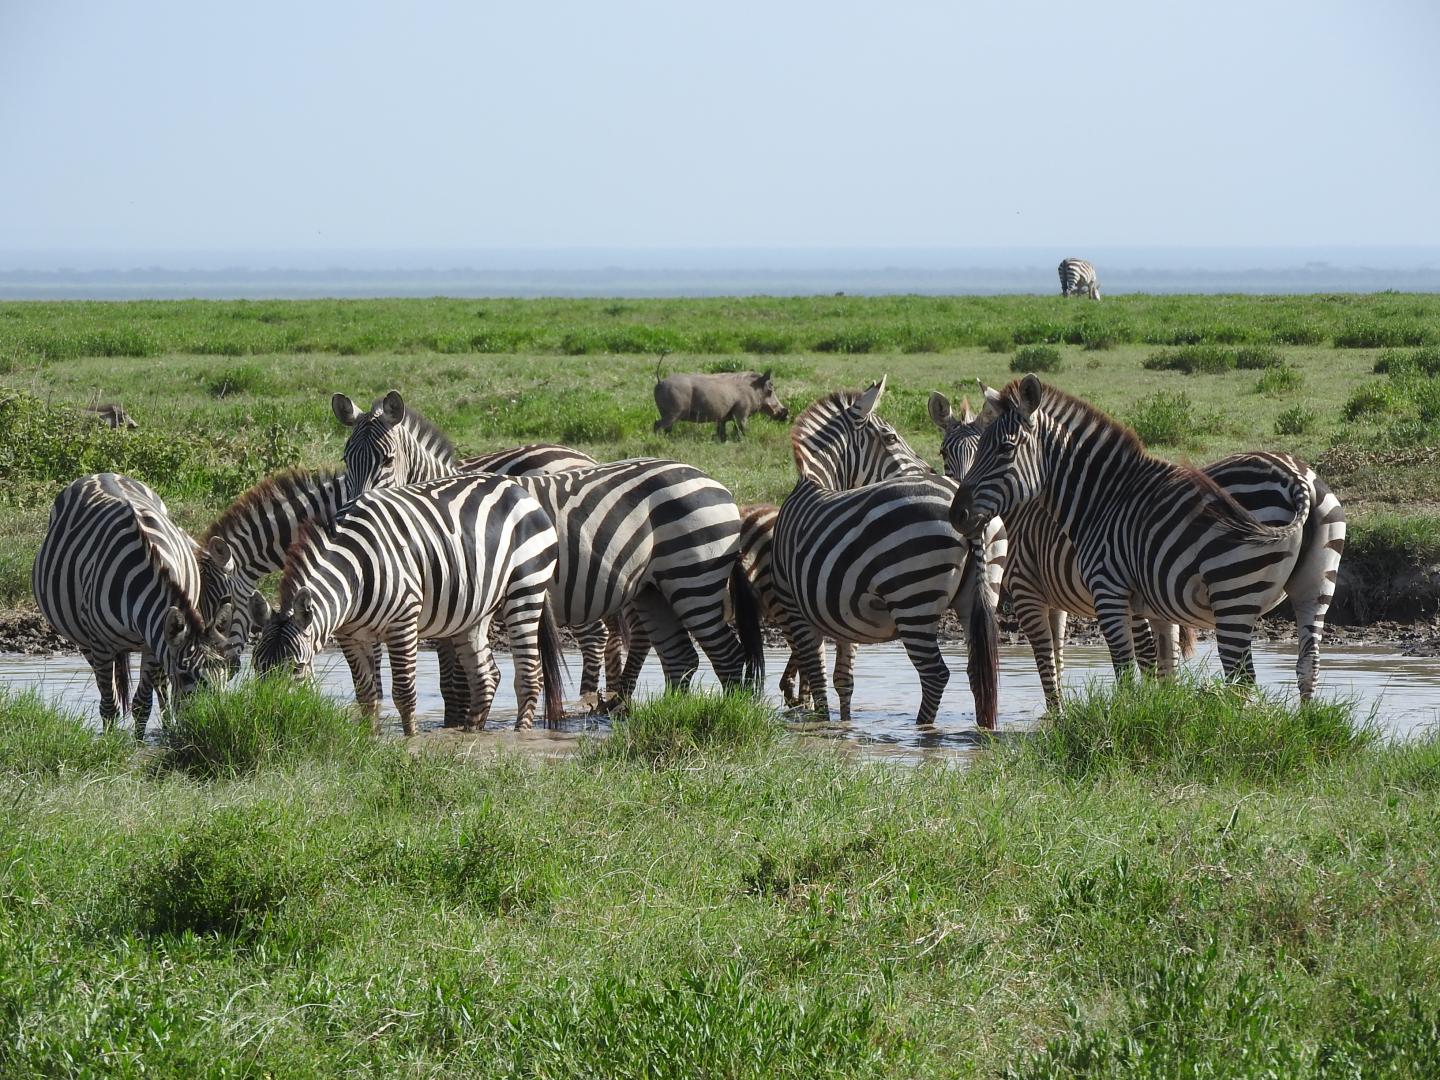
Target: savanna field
x,y
1169,880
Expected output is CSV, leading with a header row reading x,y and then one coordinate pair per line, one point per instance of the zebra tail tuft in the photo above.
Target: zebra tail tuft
x,y
747,624
1187,643
982,636
551,662
121,668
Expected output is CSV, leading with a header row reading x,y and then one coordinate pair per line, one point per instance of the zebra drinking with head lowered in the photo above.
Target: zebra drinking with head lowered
x,y
1152,539
658,537
1078,278
1044,580
864,552
116,575
439,560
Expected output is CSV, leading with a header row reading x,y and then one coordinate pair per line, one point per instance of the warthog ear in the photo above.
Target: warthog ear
x,y
994,402
939,409
393,408
175,628
221,555
346,411
302,608
1031,391
866,402
763,377
259,609
967,414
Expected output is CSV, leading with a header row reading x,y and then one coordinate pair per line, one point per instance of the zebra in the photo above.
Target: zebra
x,y
427,451
658,537
1076,277
863,552
115,575
756,556
1154,539
1045,580
439,559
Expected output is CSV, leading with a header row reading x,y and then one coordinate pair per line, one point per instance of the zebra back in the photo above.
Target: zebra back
x,y
839,443
528,460
390,445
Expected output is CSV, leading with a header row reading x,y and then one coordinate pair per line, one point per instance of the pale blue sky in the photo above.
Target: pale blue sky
x,y
432,125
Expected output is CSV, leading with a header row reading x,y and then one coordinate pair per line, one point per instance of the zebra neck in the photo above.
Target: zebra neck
x,y
262,533
1089,469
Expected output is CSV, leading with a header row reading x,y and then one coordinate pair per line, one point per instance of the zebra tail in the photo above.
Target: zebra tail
x,y
1187,643
551,660
121,667
982,636
747,624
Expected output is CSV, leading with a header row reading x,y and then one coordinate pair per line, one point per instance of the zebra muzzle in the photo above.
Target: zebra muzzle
x,y
962,512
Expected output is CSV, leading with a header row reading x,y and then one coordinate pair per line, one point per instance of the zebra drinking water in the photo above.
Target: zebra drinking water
x,y
115,575
1153,539
441,560
864,552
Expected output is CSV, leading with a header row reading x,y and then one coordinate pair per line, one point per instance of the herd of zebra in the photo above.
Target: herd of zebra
x,y
1041,494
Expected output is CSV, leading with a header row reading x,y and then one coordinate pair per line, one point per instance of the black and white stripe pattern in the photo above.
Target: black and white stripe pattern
x,y
659,535
528,460
440,560
1078,278
757,562
864,552
1152,539
115,575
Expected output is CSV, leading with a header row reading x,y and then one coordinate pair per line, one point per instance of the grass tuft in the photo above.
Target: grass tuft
x,y
1170,419
1035,358
677,726
39,739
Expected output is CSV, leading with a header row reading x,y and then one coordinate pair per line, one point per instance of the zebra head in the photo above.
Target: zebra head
x,y
390,446
840,443
220,584
288,639
196,650
960,436
1007,469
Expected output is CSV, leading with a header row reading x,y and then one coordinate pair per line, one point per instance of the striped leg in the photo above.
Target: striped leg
x,y
614,650
111,696
1114,615
148,687
810,650
1234,630
362,657
1058,622
678,657
473,654
1037,622
845,677
1147,652
524,626
1167,648
594,642
402,643
917,634
702,612
454,684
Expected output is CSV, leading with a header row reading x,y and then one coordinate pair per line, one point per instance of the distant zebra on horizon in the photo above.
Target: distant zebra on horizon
x,y
436,560
1078,276
115,575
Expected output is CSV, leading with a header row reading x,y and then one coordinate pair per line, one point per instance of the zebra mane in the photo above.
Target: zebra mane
x,y
813,418
1218,504
425,432
286,486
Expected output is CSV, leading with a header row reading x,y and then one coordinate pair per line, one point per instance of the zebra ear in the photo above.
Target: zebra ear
x,y
967,414
175,628
219,626
221,555
866,402
1031,390
259,609
939,409
346,411
302,608
393,408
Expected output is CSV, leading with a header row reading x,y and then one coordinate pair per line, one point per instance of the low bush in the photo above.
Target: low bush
x,y
240,379
678,726
1296,420
996,343
1380,335
1035,358
1279,380
1170,419
1257,358
1297,333
38,738
1193,360
1393,362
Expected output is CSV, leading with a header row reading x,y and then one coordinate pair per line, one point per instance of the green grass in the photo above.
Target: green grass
x,y
676,727
1242,887
39,740
1037,358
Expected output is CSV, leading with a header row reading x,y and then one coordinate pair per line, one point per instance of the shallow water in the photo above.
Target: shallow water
x,y
1404,691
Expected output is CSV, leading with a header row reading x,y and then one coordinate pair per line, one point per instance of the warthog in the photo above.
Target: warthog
x,y
111,414
702,398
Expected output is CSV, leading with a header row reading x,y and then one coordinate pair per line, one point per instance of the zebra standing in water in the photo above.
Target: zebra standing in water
x,y
1078,277
659,535
426,452
115,575
864,552
1151,539
1045,582
439,560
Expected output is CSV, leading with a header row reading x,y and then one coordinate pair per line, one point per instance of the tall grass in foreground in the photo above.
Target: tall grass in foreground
x,y
37,738
1194,729
678,726
259,722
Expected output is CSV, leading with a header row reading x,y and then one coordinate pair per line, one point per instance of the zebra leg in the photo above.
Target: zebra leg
x,y
1167,647
845,677
703,615
594,642
1143,641
1059,620
809,652
636,654
147,688
678,657
403,643
524,626
1234,631
107,684
918,637
454,684
1038,624
1114,615
473,654
362,659
615,635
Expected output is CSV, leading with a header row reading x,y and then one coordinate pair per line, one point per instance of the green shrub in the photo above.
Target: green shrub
x,y
765,342
1369,334
1375,400
1393,362
259,723
1035,358
38,738
1039,333
1257,358
1193,360
1278,380
241,379
678,726
859,339
1296,333
997,343
1296,420
1166,419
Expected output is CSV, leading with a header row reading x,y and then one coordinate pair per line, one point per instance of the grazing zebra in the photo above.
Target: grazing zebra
x,y
658,535
1154,539
115,575
1076,277
438,560
864,552
425,451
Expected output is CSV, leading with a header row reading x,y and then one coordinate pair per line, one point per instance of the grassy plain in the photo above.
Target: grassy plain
x,y
1169,882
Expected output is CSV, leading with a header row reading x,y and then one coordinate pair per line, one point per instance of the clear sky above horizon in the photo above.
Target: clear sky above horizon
x,y
326,125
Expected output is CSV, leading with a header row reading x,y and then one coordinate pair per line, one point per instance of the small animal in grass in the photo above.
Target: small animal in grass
x,y
704,399
112,414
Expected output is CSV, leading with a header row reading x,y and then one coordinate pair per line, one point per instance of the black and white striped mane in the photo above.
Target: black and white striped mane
x,y
284,487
